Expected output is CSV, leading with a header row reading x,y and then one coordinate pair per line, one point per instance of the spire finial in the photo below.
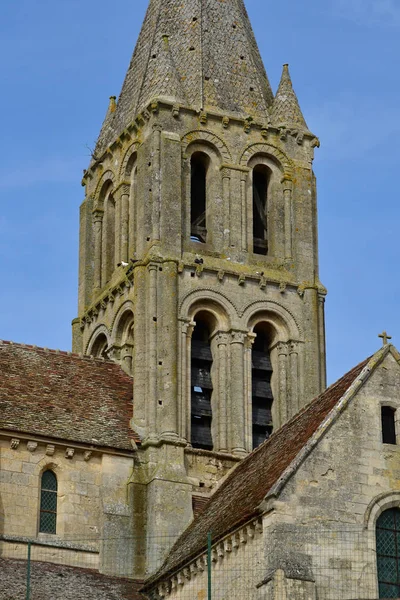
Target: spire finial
x,y
286,109
113,104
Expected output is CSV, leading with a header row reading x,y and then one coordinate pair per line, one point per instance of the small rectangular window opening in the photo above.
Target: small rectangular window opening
x,y
388,425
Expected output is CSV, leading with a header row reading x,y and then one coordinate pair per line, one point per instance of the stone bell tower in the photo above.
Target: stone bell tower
x,y
198,241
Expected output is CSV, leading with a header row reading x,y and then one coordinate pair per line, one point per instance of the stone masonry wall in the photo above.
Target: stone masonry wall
x,y
326,514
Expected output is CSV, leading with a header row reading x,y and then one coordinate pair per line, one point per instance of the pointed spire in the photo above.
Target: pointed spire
x,y
203,58
286,108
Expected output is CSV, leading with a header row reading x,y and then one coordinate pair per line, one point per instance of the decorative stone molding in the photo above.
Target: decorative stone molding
x,y
225,122
211,138
108,175
281,158
87,455
282,287
228,545
221,275
203,118
50,450
241,279
14,443
69,453
133,148
175,111
31,446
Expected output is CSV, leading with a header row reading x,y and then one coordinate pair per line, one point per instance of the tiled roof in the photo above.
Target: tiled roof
x,y
239,497
57,582
202,54
65,396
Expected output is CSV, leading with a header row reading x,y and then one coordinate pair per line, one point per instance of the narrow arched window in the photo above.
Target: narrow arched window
x,y
260,207
100,346
388,425
261,386
388,553
48,503
201,387
198,197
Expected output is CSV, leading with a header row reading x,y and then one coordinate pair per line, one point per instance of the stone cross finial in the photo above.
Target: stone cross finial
x,y
385,337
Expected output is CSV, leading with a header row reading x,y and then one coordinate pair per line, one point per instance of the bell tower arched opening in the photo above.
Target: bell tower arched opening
x,y
199,163
261,176
261,373
201,385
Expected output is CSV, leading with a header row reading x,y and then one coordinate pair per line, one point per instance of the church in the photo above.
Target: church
x,y
188,446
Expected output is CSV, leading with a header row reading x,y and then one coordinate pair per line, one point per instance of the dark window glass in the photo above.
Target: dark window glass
x,y
48,503
260,199
261,388
388,556
198,197
201,388
388,425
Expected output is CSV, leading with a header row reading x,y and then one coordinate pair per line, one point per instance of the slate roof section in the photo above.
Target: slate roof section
x,y
238,499
201,53
58,582
65,396
286,108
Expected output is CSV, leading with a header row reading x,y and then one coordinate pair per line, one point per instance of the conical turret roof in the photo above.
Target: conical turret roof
x,y
200,53
286,108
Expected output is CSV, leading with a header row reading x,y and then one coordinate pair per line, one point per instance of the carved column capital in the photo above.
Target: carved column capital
x,y
250,339
282,348
188,328
222,338
98,215
287,184
238,336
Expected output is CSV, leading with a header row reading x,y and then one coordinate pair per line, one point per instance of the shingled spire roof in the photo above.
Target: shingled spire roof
x,y
286,108
201,53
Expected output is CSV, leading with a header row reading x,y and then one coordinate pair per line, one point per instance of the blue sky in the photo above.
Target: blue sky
x,y
59,63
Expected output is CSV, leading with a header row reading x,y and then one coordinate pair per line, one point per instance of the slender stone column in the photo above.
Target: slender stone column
x,y
183,396
226,191
294,378
238,443
140,349
221,341
248,347
282,350
152,327
287,195
243,195
322,347
125,223
156,182
117,227
168,351
126,358
98,240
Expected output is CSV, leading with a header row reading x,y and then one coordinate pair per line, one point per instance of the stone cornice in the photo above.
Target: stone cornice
x,y
34,440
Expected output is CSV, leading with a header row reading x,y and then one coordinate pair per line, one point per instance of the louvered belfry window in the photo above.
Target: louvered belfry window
x,y
201,388
48,503
261,388
388,553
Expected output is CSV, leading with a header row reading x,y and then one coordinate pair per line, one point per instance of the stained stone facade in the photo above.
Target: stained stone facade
x,y
200,332
233,253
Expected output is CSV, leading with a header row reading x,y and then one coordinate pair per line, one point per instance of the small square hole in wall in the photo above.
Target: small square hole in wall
x,y
192,274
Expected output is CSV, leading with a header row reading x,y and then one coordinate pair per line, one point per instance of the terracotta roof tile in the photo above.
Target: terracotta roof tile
x,y
65,396
58,582
239,497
